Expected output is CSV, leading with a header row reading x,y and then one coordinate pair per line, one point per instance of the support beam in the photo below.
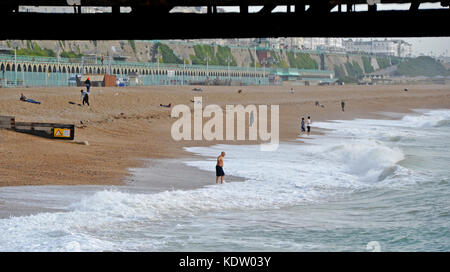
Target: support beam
x,y
426,23
414,6
212,9
115,9
300,7
321,7
349,7
243,8
267,9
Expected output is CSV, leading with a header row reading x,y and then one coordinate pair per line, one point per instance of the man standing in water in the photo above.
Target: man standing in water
x,y
342,105
219,168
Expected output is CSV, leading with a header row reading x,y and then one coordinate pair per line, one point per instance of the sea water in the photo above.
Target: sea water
x,y
365,182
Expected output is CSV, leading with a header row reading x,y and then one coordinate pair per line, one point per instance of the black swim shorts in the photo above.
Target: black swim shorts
x,y
219,171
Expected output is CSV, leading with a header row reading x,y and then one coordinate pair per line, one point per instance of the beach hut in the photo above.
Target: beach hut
x,y
104,80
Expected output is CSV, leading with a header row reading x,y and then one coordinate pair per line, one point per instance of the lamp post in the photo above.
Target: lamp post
x,y
228,62
158,55
248,67
57,57
207,71
110,60
15,66
184,69
264,62
82,65
256,58
15,62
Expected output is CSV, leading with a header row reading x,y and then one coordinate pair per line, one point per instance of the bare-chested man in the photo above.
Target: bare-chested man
x,y
219,168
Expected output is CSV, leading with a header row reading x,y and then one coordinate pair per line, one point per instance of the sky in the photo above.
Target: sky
x,y
434,46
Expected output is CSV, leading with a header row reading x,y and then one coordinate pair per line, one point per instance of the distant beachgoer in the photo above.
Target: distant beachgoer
x,y
219,168
85,97
309,124
25,99
342,105
292,90
166,106
317,104
303,124
88,84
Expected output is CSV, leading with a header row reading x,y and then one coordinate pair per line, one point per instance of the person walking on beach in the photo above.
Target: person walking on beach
x,y
219,168
85,97
88,84
309,124
342,105
303,124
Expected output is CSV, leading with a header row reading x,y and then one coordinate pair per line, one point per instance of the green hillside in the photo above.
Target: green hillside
x,y
421,66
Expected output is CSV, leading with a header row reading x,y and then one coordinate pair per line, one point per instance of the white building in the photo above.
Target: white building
x,y
397,48
327,44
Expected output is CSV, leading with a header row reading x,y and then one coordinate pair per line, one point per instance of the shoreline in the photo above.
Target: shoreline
x,y
152,176
113,151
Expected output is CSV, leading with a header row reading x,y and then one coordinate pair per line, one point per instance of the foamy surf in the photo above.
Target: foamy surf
x,y
363,180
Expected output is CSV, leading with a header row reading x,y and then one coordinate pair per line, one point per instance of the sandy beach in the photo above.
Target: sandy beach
x,y
126,126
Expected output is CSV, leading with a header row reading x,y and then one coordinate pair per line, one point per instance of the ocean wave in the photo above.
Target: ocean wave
x,y
435,118
368,160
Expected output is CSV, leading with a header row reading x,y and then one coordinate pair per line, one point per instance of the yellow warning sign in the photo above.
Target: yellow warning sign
x,y
61,133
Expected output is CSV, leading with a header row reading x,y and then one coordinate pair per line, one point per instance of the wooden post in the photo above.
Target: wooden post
x,y
7,122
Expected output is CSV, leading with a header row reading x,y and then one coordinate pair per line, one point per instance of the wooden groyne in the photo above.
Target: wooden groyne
x,y
47,130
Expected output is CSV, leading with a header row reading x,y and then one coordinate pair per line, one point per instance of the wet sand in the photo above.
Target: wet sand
x,y
155,175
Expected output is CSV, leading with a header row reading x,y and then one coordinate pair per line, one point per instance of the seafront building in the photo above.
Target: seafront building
x,y
398,48
29,71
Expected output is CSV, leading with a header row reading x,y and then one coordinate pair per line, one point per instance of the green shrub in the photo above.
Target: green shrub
x,y
396,60
353,69
301,61
367,64
421,66
167,54
383,62
224,53
35,50
340,74
70,55
215,58
133,45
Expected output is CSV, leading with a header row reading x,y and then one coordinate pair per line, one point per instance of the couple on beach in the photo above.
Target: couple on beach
x,y
308,126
